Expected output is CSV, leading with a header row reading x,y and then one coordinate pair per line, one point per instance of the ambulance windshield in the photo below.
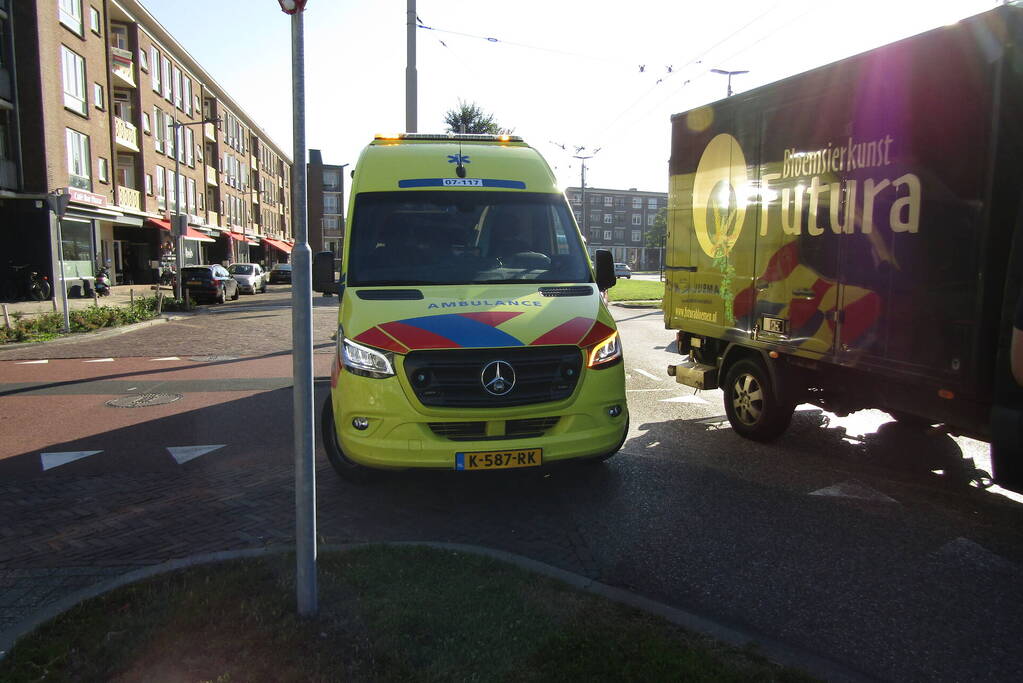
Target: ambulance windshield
x,y
448,237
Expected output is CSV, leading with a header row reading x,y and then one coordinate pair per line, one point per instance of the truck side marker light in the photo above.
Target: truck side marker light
x,y
774,354
945,393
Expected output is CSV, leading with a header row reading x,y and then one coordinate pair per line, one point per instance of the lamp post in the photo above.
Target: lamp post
x,y
729,74
178,225
58,202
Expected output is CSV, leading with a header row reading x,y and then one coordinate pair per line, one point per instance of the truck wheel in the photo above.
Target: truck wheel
x,y
344,467
909,419
751,402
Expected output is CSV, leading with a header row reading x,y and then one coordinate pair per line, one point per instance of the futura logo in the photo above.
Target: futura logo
x,y
719,195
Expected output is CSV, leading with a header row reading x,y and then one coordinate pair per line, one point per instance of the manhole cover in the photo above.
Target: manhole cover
x,y
143,400
212,359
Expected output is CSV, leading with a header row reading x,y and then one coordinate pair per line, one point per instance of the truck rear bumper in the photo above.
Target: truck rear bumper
x,y
696,375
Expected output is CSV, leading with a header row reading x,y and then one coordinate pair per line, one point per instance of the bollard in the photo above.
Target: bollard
x,y
7,318
188,299
131,294
159,302
95,298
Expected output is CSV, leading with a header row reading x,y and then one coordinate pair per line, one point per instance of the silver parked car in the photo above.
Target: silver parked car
x,y
250,276
623,270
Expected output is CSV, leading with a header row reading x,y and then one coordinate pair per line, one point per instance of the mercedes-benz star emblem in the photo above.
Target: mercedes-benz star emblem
x,y
498,377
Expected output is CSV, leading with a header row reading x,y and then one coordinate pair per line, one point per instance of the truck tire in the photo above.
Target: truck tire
x,y
752,403
345,468
909,419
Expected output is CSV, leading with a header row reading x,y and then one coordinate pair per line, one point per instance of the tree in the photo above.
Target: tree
x,y
470,118
655,235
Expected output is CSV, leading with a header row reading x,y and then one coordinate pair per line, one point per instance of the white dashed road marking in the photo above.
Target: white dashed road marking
x,y
100,360
167,358
32,362
183,454
688,398
51,460
647,374
850,489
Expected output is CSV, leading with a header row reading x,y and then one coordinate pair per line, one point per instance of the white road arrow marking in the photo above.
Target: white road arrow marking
x,y
167,358
647,374
51,460
688,398
32,362
183,454
100,360
850,489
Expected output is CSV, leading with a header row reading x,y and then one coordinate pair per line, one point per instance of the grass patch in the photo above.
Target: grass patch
x,y
636,290
386,614
50,325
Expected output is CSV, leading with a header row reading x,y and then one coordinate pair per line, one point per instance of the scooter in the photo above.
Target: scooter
x,y
102,281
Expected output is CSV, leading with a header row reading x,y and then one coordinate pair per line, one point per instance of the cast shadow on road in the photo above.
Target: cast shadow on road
x,y
907,454
142,374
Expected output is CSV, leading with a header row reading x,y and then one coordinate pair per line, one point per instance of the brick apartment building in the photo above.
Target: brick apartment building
x,y
326,204
619,220
96,101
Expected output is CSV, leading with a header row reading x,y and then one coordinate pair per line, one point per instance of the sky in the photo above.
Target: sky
x,y
572,77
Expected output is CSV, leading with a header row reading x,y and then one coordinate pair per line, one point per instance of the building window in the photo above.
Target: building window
x,y
637,219
186,94
74,80
103,170
97,95
145,123
651,203
119,36
619,202
189,147
161,188
637,235
78,160
650,219
154,59
176,83
149,185
165,68
595,234
158,127
619,235
331,222
594,199
190,192
331,203
94,20
71,14
637,202
143,61
609,201
608,219
607,235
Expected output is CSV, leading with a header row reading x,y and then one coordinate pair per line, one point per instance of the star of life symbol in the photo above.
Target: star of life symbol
x,y
498,377
458,159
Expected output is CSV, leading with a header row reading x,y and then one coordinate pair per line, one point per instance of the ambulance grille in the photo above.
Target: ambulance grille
x,y
476,431
452,378
575,290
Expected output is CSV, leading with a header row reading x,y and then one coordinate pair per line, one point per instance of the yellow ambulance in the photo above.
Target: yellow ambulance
x,y
472,332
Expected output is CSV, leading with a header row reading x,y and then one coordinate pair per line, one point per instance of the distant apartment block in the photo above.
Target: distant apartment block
x,y
620,221
99,102
326,202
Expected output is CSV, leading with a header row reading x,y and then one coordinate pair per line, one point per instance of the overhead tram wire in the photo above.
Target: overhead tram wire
x,y
698,59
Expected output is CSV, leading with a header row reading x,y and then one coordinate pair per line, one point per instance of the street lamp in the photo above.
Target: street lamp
x,y
729,74
178,225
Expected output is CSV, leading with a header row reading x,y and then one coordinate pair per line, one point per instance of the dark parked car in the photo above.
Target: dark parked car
x,y
281,272
209,283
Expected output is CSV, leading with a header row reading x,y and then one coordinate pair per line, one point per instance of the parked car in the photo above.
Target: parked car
x,y
209,283
281,272
250,276
623,270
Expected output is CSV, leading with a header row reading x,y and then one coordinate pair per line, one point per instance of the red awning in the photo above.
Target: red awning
x,y
163,225
193,234
235,235
277,244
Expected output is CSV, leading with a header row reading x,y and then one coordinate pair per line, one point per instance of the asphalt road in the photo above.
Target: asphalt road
x,y
839,539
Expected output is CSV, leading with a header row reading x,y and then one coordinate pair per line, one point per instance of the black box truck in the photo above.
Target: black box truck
x,y
852,237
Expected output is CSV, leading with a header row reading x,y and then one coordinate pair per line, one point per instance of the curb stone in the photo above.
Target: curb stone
x,y
774,650
104,332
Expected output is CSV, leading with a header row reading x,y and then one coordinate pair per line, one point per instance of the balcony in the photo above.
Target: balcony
x,y
212,218
210,131
126,135
211,176
122,66
129,198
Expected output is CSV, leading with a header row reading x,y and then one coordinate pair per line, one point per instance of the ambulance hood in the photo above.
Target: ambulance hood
x,y
475,316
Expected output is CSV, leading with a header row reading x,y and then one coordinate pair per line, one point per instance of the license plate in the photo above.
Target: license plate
x,y
194,282
499,460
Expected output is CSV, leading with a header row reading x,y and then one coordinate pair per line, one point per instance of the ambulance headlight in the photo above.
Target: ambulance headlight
x,y
604,353
362,360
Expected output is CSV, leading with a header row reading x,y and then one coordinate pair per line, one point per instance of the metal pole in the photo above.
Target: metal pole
x,y
411,124
179,240
302,342
63,286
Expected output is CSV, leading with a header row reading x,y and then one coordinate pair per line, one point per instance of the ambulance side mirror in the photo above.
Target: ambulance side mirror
x,y
323,273
605,266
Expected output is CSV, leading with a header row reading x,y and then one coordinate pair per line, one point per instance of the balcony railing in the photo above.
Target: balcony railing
x,y
126,135
211,176
129,198
210,131
122,65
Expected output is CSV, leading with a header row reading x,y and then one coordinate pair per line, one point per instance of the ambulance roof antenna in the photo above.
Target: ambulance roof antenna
x,y
459,168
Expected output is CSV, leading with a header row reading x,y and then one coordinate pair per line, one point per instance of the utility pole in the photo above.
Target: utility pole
x,y
582,188
411,125
302,335
729,74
